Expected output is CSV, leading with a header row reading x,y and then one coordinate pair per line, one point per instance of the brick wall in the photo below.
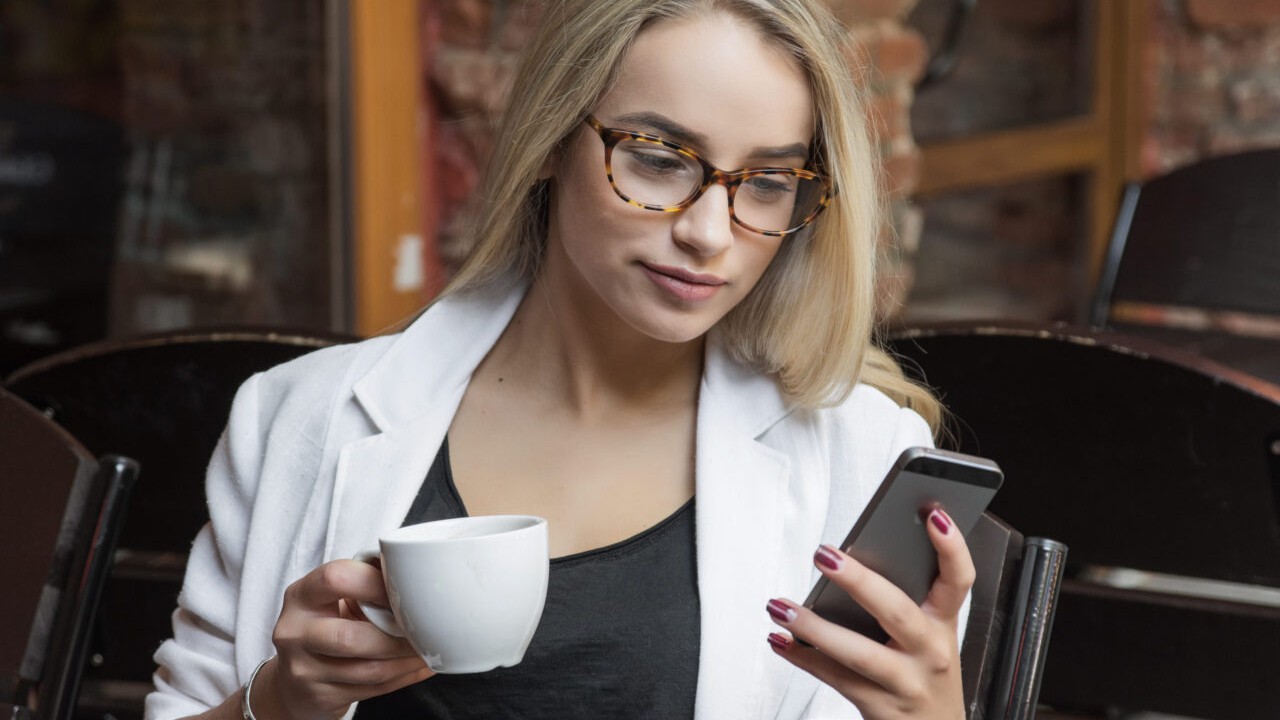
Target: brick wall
x,y
224,217
474,45
1213,80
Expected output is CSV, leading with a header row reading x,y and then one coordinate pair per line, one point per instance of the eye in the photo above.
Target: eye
x,y
771,188
654,160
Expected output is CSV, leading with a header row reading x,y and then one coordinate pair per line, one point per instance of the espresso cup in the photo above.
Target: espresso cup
x,y
466,592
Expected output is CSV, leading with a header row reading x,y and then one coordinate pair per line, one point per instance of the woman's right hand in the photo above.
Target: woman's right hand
x,y
327,655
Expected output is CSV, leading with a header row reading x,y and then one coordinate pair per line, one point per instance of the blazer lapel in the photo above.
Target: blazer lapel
x,y
379,476
741,501
411,395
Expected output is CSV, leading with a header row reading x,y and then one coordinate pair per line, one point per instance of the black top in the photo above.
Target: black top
x,y
618,638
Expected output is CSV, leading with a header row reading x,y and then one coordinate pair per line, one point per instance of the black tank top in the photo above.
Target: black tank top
x,y
618,638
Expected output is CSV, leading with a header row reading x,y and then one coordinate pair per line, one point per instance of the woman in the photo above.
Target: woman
x,y
635,329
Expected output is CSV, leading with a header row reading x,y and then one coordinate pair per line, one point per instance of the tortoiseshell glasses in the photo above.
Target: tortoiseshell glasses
x,y
656,174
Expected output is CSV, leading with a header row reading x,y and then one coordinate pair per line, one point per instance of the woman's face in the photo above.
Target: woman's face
x,y
713,84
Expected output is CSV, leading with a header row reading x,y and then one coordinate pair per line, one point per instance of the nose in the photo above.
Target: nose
x,y
705,228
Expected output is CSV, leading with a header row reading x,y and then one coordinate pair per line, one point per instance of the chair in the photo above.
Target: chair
x,y
1161,471
60,526
1010,619
164,400
1193,262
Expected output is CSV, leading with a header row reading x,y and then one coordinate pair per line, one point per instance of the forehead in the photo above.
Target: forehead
x,y
716,75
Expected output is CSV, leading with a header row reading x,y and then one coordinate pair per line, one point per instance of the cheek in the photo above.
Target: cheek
x,y
580,174
764,251
582,199
586,211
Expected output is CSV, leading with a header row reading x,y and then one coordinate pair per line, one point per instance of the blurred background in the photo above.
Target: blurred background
x,y
194,163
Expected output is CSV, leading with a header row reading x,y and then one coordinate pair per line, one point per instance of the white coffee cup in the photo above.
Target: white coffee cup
x,y
467,592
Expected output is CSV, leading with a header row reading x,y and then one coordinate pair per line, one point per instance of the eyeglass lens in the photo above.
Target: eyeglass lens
x,y
654,174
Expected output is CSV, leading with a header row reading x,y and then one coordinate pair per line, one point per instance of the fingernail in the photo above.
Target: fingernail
x,y
940,521
781,611
827,557
779,641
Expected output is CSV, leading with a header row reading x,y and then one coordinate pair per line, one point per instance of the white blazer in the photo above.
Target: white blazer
x,y
324,453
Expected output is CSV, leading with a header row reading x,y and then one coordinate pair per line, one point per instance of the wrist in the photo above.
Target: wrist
x,y
263,698
262,694
248,701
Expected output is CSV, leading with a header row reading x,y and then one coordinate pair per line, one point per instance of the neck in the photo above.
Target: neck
x,y
591,363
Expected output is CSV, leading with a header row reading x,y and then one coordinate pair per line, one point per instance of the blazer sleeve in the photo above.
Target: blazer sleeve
x,y
197,668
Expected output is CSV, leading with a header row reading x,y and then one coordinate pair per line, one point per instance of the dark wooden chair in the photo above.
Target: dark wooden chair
x,y
1194,260
1010,620
163,400
1161,471
62,512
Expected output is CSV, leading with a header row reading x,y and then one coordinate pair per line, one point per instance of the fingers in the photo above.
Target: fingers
x,y
340,579
317,618
917,673
955,567
350,638
892,608
318,687
351,672
327,657
822,666
417,675
835,650
884,601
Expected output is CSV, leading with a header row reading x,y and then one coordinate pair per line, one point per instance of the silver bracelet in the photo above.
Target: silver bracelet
x,y
246,712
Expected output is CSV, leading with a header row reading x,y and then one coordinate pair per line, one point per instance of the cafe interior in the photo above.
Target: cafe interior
x,y
1081,257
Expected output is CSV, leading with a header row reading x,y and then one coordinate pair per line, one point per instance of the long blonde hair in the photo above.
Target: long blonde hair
x,y
810,319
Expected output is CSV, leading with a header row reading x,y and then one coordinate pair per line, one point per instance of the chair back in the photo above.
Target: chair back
x,y
163,400
1161,471
1193,261
61,516
47,480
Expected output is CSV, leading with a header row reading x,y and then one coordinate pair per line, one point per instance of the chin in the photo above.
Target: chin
x,y
677,332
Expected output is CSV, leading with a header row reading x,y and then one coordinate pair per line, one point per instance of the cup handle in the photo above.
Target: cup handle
x,y
382,618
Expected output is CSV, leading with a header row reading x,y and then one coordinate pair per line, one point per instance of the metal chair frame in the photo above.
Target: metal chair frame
x,y
90,496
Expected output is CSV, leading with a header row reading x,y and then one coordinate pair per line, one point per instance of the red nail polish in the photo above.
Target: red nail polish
x,y
781,611
827,557
779,641
940,521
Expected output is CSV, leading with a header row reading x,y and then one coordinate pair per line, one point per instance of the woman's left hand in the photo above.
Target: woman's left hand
x,y
917,673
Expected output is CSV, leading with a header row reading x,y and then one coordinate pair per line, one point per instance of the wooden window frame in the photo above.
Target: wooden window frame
x,y
1103,143
390,139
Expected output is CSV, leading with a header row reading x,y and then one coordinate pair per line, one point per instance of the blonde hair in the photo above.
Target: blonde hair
x,y
810,319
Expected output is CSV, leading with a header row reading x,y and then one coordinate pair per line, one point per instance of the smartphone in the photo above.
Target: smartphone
x,y
890,536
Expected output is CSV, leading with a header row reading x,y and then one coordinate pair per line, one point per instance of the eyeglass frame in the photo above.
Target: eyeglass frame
x,y
711,175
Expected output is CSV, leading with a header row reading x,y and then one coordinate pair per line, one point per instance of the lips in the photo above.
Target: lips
x,y
684,285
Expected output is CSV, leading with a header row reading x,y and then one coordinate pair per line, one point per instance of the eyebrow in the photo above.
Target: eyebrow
x,y
672,130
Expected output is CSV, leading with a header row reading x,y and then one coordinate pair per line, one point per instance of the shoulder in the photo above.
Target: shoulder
x,y
869,407
863,435
869,414
286,412
391,377
319,377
